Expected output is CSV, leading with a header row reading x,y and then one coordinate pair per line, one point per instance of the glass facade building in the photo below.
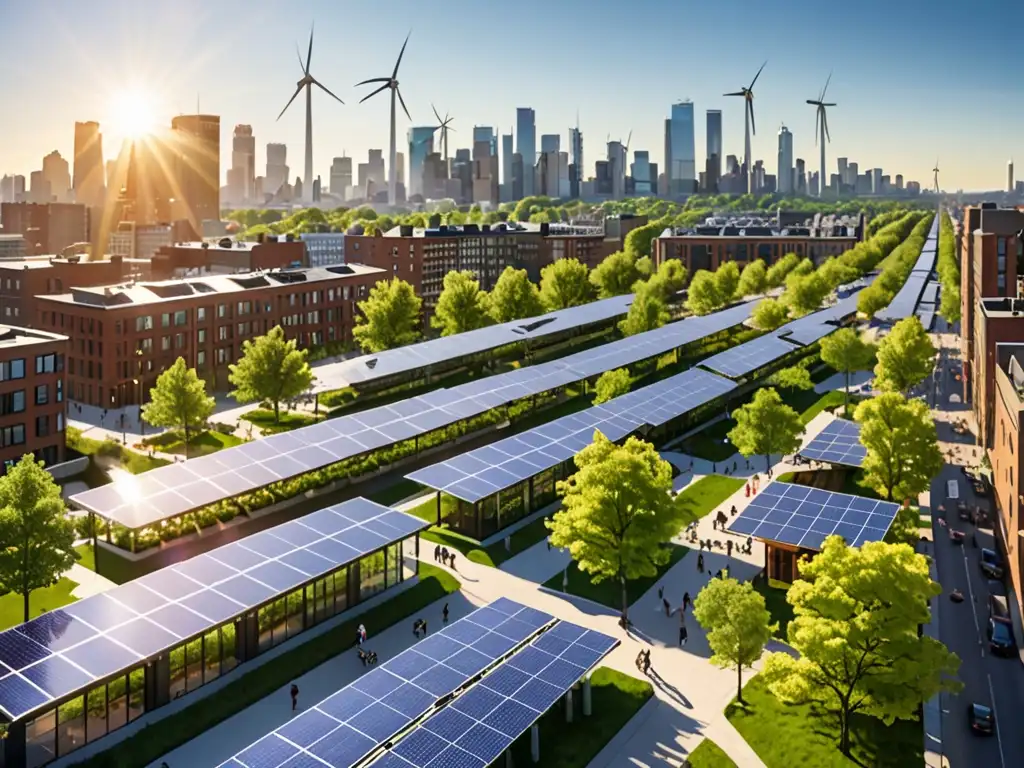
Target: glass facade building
x,y
421,144
682,173
526,137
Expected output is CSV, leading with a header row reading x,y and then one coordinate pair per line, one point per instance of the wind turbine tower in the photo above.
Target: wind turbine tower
x,y
748,125
307,82
392,84
444,126
821,134
935,170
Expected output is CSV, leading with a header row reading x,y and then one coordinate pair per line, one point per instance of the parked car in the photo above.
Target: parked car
x,y
981,719
998,607
1000,638
991,565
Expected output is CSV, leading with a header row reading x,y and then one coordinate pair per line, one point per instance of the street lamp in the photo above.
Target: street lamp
x,y
142,427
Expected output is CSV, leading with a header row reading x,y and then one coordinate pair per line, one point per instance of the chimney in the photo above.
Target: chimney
x,y
545,228
289,238
405,230
260,237
434,221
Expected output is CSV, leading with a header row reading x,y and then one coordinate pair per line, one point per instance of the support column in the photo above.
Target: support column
x,y
535,743
587,706
508,758
568,706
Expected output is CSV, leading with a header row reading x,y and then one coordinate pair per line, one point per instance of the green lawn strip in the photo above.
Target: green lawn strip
x,y
134,462
161,737
615,697
206,442
264,419
774,593
397,492
701,497
785,735
709,755
86,557
12,606
520,541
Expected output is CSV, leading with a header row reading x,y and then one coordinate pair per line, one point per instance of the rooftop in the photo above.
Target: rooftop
x,y
155,292
15,336
45,262
1003,307
502,228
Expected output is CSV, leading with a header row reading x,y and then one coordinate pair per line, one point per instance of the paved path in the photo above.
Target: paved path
x,y
89,582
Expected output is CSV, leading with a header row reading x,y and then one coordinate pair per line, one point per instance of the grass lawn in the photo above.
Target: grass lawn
x,y
161,737
709,755
111,450
784,735
615,697
12,606
781,611
701,497
264,419
711,443
397,492
206,442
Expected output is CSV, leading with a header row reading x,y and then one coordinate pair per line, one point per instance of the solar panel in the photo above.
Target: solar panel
x,y
480,724
482,472
174,489
927,317
69,648
805,517
837,443
748,357
346,726
931,293
905,301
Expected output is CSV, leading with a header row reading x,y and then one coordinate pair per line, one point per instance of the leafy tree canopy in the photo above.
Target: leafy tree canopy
x,y
615,275
646,313
805,292
769,314
777,272
727,280
669,279
271,368
847,352
389,317
462,306
766,425
703,298
179,401
514,297
794,377
906,356
612,384
754,279
564,283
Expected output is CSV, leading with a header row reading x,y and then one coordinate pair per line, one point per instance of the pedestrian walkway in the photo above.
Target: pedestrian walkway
x,y
89,582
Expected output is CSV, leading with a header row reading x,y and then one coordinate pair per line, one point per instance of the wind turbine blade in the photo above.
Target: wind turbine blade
x,y
297,90
829,104
736,93
404,109
751,87
753,127
374,80
374,93
299,54
825,89
824,119
309,53
400,55
449,128
812,101
326,90
439,120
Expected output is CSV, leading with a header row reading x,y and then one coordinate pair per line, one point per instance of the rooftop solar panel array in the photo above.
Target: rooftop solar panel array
x,y
349,725
67,649
484,471
805,517
478,726
905,301
931,293
169,491
837,443
748,357
409,358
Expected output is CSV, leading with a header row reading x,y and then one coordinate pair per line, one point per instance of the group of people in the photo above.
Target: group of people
x,y
443,556
687,603
419,628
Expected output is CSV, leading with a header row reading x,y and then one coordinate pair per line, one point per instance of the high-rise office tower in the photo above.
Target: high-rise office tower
x,y
550,142
852,172
617,169
277,168
640,170
844,170
812,184
575,162
114,173
1009,176
713,164
785,172
421,144
507,151
341,176
800,185
526,136
899,181
196,143
57,174
39,188
88,181
682,168
242,174
12,189
876,181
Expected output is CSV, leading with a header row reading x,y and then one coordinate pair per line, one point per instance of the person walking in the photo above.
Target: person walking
x,y
647,661
437,553
682,629
686,600
362,634
295,696
700,562
728,548
444,613
665,605
452,559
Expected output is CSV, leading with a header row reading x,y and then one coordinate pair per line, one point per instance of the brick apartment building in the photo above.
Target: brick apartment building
x,y
32,394
227,257
46,227
422,257
124,336
709,251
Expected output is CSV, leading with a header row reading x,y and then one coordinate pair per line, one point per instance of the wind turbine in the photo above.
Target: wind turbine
x,y
821,127
391,83
444,126
935,170
748,122
307,82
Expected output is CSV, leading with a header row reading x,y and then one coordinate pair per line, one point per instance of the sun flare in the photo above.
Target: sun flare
x,y
132,113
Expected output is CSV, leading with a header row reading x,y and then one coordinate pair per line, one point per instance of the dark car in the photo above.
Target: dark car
x,y
991,565
1000,638
998,608
981,719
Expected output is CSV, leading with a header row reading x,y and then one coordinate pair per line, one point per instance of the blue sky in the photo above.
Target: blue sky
x,y
914,79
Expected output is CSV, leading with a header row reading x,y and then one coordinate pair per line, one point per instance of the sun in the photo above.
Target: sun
x,y
132,113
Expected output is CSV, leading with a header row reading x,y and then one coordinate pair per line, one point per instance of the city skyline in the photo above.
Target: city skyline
x,y
241,83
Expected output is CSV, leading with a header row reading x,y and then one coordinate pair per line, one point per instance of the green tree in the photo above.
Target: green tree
x,y
754,279
906,357
778,271
389,317
645,267
737,623
669,279
871,300
611,384
847,352
617,512
514,297
766,425
804,293
615,275
727,280
462,306
271,368
794,377
646,312
836,272
564,283
855,633
179,401
38,537
902,445
703,297
769,314
803,267
906,526
639,242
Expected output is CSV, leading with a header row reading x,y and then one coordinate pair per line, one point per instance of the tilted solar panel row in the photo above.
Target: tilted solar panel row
x,y
837,443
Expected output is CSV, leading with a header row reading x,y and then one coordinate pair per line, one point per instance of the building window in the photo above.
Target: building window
x,y
144,323
165,319
14,435
180,318
12,369
60,422
60,390
201,314
42,426
165,343
42,394
222,310
202,335
200,359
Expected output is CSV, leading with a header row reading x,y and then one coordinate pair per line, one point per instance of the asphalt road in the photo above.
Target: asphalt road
x,y
990,680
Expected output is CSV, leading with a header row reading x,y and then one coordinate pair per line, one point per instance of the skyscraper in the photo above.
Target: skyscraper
x,y
277,168
800,185
550,142
341,176
1009,177
88,180
844,171
713,166
196,144
576,162
421,144
785,171
242,174
56,173
507,152
617,169
640,170
682,170
526,136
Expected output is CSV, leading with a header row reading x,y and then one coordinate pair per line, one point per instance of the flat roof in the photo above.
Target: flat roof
x,y
392,362
16,336
70,649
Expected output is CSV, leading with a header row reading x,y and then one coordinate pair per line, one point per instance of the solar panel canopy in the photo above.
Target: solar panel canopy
x,y
479,473
749,356
70,648
804,517
392,362
837,443
905,301
166,492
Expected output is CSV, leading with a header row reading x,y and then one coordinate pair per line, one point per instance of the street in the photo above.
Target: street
x,y
991,680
